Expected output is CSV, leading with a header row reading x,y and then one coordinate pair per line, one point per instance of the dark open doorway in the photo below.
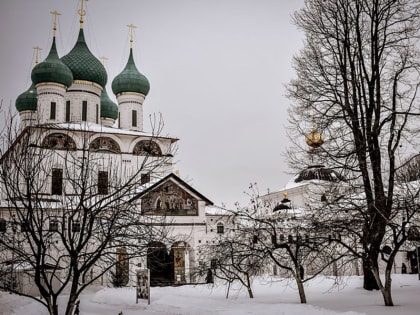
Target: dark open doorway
x,y
160,264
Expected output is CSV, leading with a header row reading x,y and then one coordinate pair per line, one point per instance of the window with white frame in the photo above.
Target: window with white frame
x,y
220,228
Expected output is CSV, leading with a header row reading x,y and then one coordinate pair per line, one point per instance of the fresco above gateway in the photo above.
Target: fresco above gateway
x,y
169,199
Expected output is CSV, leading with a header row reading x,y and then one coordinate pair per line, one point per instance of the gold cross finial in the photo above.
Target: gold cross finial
x,y
103,59
82,12
55,13
132,27
37,49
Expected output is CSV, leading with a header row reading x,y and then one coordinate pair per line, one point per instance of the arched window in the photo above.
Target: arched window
x,y
147,147
59,141
220,228
104,144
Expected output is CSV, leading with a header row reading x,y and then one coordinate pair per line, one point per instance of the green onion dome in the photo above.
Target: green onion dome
x,y
130,79
52,69
27,100
83,64
108,108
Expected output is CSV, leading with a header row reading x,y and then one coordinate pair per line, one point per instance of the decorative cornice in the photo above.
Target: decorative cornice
x,y
51,83
132,93
84,82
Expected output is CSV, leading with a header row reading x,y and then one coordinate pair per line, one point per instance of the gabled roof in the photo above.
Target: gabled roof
x,y
174,178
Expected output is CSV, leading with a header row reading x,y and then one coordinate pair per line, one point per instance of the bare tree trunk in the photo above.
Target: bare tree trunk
x,y
369,281
301,290
386,290
53,307
73,293
228,289
71,304
250,293
299,283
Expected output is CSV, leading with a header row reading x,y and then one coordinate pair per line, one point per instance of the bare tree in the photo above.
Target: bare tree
x,y
286,238
233,262
357,79
68,210
289,240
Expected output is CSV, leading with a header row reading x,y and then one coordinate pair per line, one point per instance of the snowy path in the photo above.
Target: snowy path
x,y
279,297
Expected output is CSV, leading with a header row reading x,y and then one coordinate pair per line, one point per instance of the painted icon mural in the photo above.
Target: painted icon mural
x,y
169,199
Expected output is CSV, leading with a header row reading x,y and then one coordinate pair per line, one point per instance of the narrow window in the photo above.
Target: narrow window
x,y
75,226
134,118
213,263
119,121
97,113
220,228
52,110
57,181
24,226
67,111
255,239
2,225
84,111
102,182
273,239
53,225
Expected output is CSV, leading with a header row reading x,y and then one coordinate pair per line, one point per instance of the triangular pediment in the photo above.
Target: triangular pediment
x,y
171,196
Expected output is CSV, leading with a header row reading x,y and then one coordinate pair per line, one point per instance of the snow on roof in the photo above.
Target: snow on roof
x,y
216,210
292,183
91,127
46,204
316,174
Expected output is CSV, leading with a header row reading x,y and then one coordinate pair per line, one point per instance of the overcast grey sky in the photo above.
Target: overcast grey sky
x,y
217,70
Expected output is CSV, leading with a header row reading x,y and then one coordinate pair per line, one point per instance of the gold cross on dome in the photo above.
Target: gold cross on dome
x,y
132,27
55,13
103,59
82,12
37,49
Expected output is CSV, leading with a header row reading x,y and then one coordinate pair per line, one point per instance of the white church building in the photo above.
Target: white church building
x,y
65,113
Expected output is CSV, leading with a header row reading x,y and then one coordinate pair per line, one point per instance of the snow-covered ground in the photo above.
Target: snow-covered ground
x,y
272,296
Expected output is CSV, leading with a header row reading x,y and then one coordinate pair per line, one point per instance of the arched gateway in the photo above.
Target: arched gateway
x,y
168,267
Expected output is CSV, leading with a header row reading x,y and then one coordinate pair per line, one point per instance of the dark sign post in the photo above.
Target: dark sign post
x,y
418,261
143,285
